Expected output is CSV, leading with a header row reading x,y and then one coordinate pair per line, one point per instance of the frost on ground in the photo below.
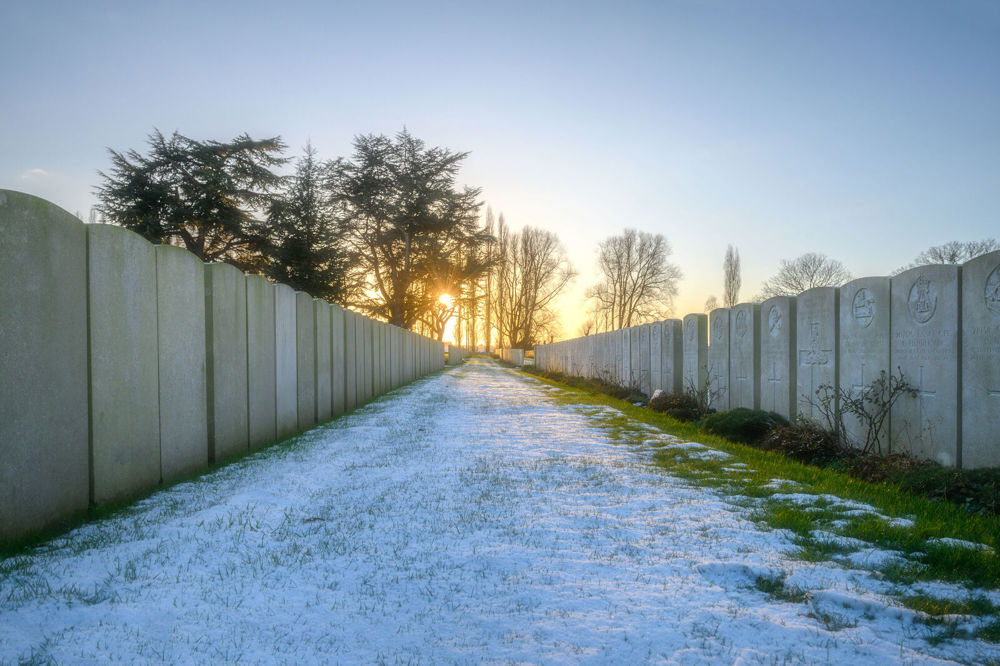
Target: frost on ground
x,y
468,517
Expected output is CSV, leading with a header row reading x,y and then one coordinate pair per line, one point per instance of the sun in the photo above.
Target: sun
x,y
446,300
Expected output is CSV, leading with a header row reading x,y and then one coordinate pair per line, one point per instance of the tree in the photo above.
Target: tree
x,y
810,270
732,280
530,271
202,195
406,227
304,246
711,303
954,252
637,283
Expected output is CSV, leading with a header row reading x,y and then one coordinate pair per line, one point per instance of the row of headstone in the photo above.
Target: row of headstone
x,y
515,356
457,355
938,325
124,365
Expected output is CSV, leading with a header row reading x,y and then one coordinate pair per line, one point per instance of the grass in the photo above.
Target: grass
x,y
925,519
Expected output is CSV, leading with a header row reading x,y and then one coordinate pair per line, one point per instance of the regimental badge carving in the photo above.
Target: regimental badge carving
x,y
720,335
691,325
774,321
993,292
864,307
922,301
741,323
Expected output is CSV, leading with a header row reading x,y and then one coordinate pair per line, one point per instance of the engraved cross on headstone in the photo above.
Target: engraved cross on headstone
x,y
921,394
812,357
774,380
860,386
741,380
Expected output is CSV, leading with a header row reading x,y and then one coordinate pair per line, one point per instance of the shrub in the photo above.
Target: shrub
x,y
681,406
748,426
806,442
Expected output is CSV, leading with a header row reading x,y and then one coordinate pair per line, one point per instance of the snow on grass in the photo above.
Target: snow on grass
x,y
469,517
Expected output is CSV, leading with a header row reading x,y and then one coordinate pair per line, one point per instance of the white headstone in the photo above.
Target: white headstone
x,y
644,360
350,361
124,375
744,356
718,359
695,357
180,302
925,340
672,356
655,352
817,325
226,358
261,380
778,356
864,347
43,365
285,361
337,359
323,371
981,362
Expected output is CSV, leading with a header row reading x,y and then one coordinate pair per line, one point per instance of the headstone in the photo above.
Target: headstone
x,y
644,360
744,356
671,356
635,356
778,356
817,328
337,359
925,347
695,357
226,361
323,371
863,352
261,379
350,361
367,357
655,353
305,360
395,356
718,359
981,362
285,361
43,365
180,301
124,377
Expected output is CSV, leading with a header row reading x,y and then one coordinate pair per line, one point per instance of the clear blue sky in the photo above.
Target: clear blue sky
x,y
864,129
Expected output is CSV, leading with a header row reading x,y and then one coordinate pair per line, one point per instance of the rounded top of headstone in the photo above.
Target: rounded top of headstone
x,y
30,208
983,273
817,292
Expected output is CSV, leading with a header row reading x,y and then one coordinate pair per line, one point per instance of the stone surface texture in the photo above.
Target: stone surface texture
x,y
226,361
43,365
817,326
925,339
981,362
124,377
180,303
778,356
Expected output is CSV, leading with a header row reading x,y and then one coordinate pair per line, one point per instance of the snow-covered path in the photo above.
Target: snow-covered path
x,y
465,518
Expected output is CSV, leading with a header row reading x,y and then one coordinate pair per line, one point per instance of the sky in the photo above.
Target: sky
x,y
863,129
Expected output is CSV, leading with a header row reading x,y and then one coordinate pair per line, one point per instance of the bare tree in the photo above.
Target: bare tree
x,y
530,271
637,282
732,279
711,303
588,327
954,252
810,270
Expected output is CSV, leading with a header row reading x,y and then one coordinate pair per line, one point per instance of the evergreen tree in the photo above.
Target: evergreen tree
x,y
407,228
304,253
201,195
